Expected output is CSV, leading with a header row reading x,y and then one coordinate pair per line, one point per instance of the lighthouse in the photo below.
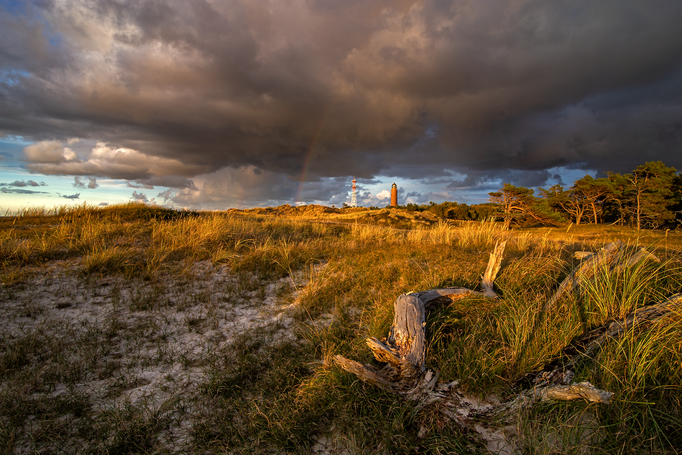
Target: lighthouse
x,y
354,197
394,195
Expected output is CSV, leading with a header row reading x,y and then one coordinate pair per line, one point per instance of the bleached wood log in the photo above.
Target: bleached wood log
x,y
592,262
579,391
595,339
560,369
494,264
403,352
584,271
365,372
641,255
434,298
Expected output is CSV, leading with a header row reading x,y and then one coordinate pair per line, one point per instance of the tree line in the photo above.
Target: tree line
x,y
648,197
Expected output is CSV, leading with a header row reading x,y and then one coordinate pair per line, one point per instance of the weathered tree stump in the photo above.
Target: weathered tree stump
x,y
405,349
402,354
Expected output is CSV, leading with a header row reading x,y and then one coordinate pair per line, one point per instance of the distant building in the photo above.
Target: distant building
x,y
354,197
394,195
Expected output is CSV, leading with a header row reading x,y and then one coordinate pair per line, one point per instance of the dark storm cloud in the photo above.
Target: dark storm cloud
x,y
490,180
491,89
238,187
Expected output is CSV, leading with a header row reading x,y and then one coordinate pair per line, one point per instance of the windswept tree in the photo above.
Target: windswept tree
x,y
592,193
616,204
585,199
652,189
676,200
565,201
520,202
651,196
515,201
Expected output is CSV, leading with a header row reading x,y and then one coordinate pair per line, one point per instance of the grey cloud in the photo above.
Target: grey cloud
x,y
139,197
77,183
166,195
50,157
49,152
139,185
336,190
250,186
490,180
241,187
80,183
173,181
558,179
416,197
20,191
71,196
21,183
409,89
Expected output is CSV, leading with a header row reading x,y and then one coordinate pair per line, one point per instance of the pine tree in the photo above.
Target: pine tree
x,y
651,194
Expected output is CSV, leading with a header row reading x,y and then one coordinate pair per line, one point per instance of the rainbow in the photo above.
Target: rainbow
x,y
309,154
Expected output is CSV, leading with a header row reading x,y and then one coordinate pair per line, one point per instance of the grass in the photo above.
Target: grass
x,y
135,329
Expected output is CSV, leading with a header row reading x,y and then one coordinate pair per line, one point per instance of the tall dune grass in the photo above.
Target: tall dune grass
x,y
260,397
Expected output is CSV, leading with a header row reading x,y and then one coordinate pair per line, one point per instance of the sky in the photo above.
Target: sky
x,y
213,104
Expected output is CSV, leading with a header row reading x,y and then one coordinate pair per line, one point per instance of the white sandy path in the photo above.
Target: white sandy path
x,y
160,348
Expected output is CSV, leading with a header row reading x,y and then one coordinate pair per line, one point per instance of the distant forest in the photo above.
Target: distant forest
x,y
648,197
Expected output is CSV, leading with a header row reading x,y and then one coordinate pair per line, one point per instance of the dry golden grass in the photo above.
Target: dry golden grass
x,y
342,271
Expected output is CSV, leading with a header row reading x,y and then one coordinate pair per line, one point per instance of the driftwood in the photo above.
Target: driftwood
x,y
585,347
405,349
586,270
494,264
610,256
402,353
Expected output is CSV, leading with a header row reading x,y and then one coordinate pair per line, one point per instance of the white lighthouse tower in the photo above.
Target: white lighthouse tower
x,y
354,197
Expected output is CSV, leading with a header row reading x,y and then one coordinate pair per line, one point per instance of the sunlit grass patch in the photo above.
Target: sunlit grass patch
x,y
135,299
613,293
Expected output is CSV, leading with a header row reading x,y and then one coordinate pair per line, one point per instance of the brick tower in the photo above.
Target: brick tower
x,y
394,195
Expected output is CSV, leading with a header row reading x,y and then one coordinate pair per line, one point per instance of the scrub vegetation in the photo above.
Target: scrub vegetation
x,y
649,197
137,329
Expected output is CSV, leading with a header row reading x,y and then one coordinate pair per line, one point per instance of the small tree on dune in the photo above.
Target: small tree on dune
x,y
565,201
593,192
515,200
617,200
651,189
519,201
